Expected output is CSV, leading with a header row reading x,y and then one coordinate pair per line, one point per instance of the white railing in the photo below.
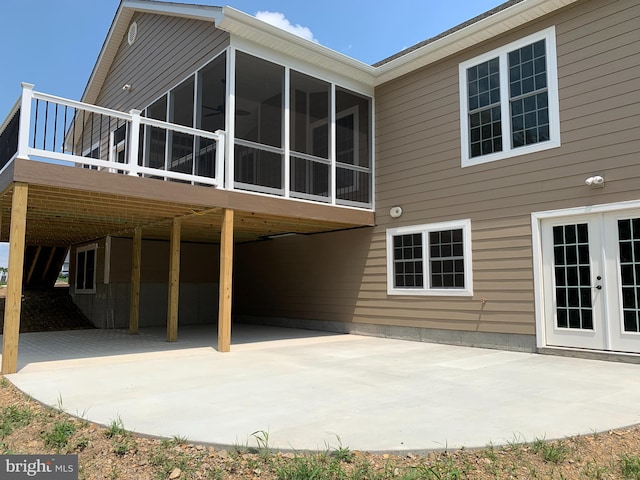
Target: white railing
x,y
51,128
47,128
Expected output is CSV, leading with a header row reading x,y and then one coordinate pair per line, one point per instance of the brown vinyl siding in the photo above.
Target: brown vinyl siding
x,y
418,168
166,51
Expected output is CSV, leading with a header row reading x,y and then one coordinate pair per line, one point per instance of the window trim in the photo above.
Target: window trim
x,y
86,248
465,225
549,35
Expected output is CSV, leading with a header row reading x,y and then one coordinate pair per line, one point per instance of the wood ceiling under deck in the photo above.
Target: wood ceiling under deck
x,y
70,205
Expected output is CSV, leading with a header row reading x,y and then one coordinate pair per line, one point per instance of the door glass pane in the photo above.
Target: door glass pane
x,y
573,277
628,244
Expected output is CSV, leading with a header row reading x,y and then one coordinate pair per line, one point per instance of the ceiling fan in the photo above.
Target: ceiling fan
x,y
219,110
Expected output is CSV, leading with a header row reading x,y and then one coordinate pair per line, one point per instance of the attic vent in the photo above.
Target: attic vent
x,y
133,33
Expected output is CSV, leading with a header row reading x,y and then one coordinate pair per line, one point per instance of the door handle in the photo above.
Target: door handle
x,y
598,287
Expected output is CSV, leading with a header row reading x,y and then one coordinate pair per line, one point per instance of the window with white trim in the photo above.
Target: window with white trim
x,y
86,269
509,100
433,259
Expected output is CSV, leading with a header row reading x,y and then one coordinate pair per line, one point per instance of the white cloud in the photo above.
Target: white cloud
x,y
278,19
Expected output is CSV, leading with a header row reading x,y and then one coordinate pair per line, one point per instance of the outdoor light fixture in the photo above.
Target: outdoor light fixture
x,y
395,212
595,181
126,87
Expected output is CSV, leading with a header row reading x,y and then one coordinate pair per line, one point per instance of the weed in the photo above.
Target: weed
x,y
595,471
490,452
4,382
59,434
114,473
82,443
630,466
215,473
179,440
342,453
13,417
551,452
262,439
115,428
309,467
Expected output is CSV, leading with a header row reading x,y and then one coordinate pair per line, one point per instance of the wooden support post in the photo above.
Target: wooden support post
x,y
134,300
226,269
11,333
174,282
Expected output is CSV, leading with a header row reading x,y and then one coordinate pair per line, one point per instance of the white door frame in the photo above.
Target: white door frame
x,y
536,229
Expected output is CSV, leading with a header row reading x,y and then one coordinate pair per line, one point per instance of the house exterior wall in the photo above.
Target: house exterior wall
x,y
418,167
166,51
109,306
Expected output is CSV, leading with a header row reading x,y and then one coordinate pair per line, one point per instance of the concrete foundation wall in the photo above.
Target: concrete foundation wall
x,y
502,341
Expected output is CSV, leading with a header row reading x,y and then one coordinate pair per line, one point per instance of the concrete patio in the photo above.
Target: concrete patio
x,y
311,390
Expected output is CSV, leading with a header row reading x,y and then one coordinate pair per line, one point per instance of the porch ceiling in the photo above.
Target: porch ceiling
x,y
68,205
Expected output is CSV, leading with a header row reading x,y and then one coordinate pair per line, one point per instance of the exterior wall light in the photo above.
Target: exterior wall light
x,y
595,182
395,212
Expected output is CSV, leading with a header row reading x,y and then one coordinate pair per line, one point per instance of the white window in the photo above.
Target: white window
x,y
86,268
509,100
433,259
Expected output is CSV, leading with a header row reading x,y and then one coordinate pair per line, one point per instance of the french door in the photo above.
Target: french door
x,y
591,281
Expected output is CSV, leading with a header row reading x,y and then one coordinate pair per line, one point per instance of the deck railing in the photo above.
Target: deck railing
x,y
48,128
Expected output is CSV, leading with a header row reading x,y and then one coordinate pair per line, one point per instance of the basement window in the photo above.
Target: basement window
x,y
86,269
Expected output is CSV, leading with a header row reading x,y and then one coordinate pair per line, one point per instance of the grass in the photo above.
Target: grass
x,y
58,436
13,417
552,452
630,467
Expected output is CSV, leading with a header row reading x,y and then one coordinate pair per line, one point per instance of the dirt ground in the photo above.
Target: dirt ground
x,y
112,452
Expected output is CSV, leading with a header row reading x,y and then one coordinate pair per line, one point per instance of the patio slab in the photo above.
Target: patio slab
x,y
313,390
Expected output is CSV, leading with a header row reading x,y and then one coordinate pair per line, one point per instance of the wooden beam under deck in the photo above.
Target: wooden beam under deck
x,y
11,333
226,271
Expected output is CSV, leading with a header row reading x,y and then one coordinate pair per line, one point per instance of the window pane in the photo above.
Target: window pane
x,y
353,135
258,167
446,259
259,100
90,267
156,138
530,120
81,258
309,115
407,261
181,112
309,177
486,137
527,76
212,95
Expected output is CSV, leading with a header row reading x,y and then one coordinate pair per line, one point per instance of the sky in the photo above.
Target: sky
x,y
54,44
